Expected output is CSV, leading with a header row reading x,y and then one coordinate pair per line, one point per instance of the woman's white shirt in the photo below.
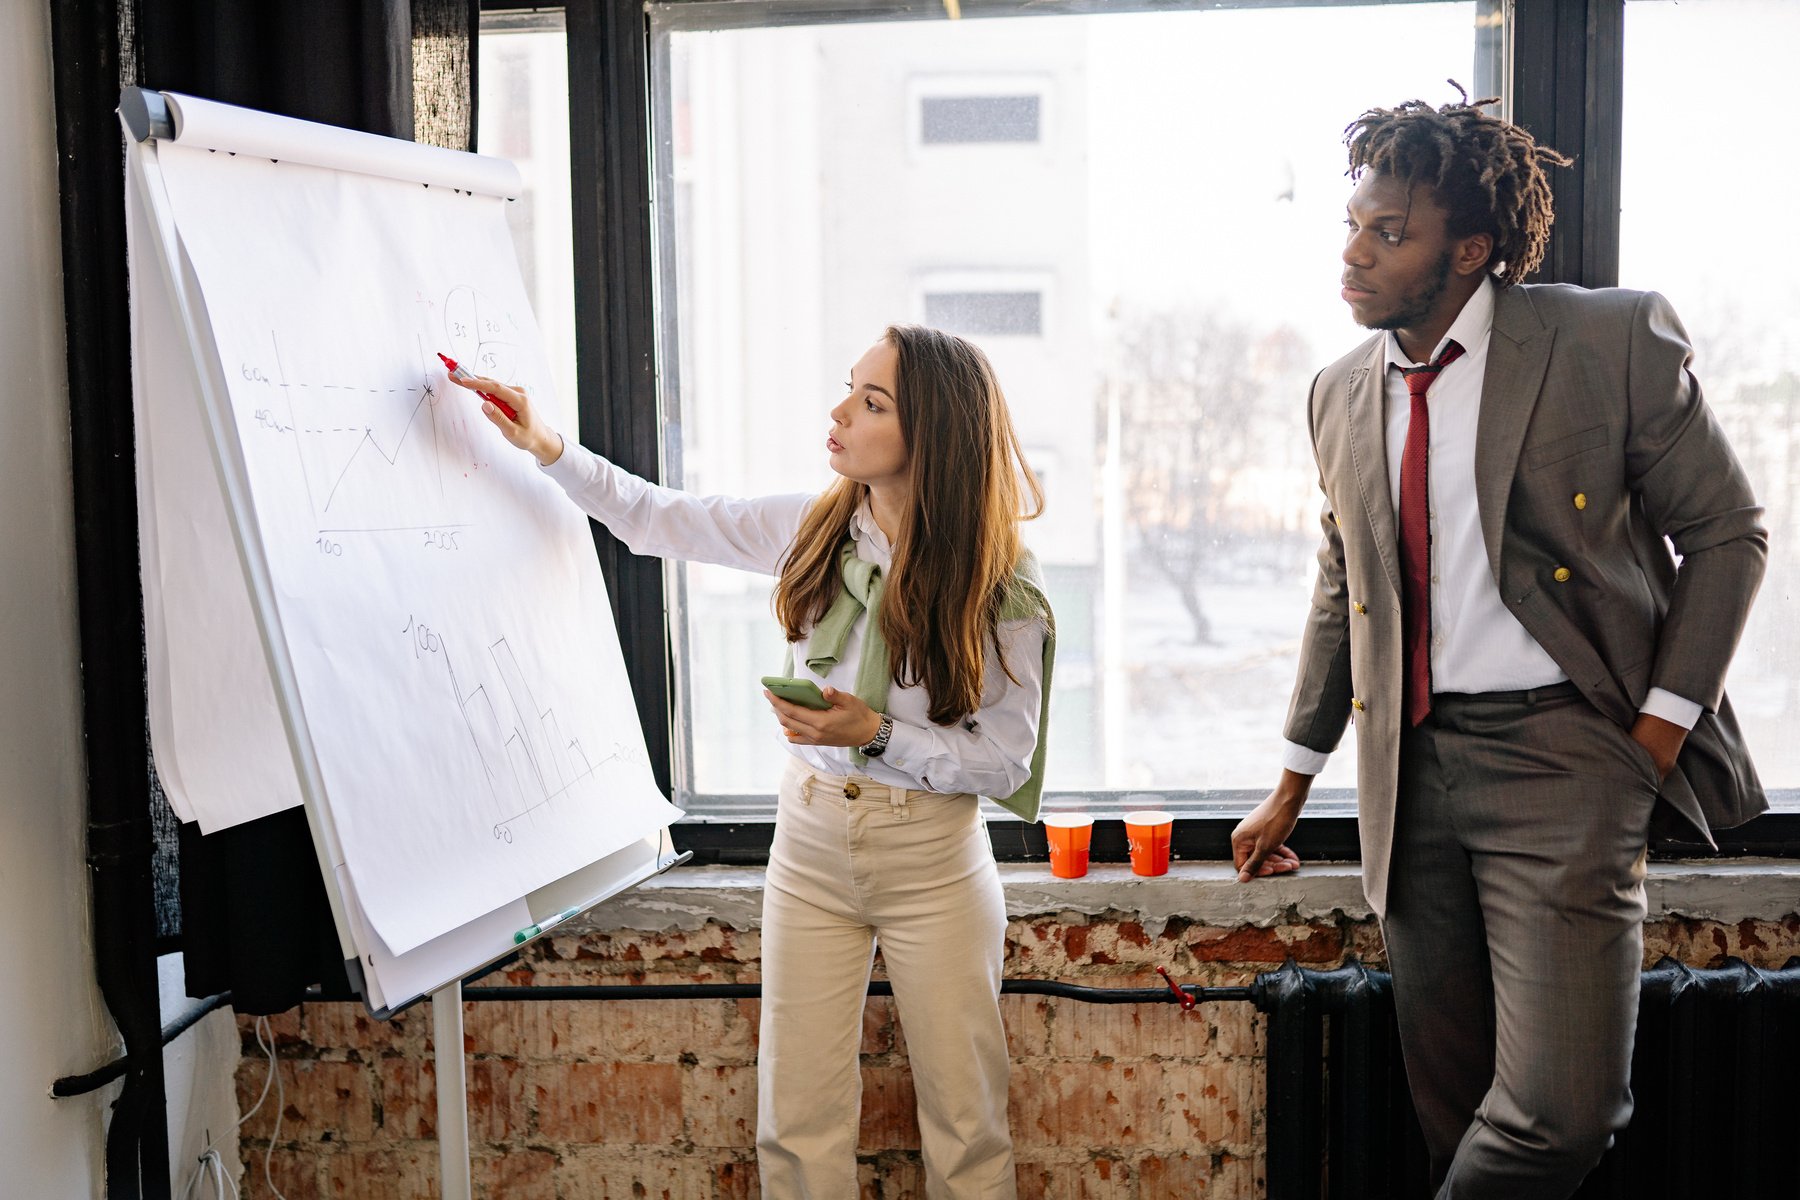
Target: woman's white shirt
x,y
989,753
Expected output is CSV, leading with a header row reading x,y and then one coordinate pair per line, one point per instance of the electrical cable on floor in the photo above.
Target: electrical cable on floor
x,y
280,1104
212,1165
211,1158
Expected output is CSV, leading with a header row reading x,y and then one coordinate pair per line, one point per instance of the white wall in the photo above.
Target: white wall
x,y
200,1086
51,1019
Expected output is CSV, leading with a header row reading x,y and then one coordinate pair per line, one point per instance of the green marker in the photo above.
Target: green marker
x,y
530,931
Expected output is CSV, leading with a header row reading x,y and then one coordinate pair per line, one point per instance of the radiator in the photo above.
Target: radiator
x,y
1715,1074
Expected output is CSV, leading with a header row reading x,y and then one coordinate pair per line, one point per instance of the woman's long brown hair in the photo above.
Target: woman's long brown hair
x,y
954,559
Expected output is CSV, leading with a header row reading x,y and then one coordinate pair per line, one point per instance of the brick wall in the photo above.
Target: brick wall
x,y
656,1099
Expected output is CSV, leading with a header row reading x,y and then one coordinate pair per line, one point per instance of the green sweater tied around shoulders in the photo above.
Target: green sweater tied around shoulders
x,y
863,587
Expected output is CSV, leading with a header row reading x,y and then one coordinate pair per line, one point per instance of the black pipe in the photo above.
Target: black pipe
x,y
877,987
90,65
76,1085
93,1081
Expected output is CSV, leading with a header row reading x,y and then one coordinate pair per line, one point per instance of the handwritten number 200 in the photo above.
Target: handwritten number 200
x,y
441,539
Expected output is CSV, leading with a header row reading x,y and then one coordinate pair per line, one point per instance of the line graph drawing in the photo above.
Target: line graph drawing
x,y
392,454
527,760
427,397
370,458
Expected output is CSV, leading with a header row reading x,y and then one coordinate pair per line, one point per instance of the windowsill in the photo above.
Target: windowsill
x,y
686,898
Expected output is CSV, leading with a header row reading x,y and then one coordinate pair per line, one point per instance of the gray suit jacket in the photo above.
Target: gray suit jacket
x,y
1586,392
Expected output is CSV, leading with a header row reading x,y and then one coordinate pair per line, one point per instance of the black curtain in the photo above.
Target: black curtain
x,y
398,68
342,62
252,917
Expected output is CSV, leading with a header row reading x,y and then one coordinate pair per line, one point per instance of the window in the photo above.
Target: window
x,y
818,182
988,304
1001,108
523,114
972,314
947,120
1697,227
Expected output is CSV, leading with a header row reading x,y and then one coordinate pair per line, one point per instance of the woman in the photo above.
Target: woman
x,y
906,595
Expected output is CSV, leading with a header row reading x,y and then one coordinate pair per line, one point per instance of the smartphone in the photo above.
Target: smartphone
x,y
803,692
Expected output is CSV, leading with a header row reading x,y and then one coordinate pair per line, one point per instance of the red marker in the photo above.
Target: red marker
x,y
457,372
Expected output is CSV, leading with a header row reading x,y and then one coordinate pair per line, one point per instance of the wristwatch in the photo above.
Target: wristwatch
x,y
878,744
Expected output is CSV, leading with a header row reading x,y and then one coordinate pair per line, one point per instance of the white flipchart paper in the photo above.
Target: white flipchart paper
x,y
221,752
441,602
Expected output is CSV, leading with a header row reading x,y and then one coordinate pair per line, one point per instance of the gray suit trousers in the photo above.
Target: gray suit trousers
x,y
1514,928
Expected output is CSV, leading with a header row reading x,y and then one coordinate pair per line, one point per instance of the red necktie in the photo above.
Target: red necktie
x,y
1415,537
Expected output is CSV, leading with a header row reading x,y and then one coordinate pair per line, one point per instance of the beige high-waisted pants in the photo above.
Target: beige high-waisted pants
x,y
855,862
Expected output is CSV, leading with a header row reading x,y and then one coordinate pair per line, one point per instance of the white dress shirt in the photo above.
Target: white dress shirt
x,y
988,753
1477,645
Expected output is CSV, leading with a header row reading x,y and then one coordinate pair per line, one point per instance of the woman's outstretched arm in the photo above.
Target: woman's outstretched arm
x,y
749,534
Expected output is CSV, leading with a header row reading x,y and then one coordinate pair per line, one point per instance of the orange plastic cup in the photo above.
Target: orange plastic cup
x,y
1068,835
1147,833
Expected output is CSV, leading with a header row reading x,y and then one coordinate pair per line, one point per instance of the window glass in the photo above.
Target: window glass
x,y
1182,202
974,313
523,114
1707,191
944,119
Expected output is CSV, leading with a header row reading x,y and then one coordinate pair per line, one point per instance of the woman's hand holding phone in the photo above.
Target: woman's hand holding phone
x,y
844,721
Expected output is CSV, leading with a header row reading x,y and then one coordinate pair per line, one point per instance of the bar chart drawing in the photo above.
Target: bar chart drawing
x,y
526,757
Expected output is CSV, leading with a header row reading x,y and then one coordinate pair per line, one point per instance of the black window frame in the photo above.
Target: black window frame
x,y
1563,66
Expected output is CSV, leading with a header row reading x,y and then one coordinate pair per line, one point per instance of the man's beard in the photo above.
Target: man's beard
x,y
1415,310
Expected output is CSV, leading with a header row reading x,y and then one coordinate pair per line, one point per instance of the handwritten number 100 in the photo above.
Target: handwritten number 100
x,y
329,547
423,639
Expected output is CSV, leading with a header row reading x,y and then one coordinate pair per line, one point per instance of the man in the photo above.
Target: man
x,y
1529,671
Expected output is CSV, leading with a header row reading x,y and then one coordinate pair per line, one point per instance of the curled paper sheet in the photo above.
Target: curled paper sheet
x,y
209,125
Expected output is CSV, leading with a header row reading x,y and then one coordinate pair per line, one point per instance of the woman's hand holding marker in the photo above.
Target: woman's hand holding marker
x,y
525,429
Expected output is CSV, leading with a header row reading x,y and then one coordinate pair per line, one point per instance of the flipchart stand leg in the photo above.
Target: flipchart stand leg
x,y
452,1091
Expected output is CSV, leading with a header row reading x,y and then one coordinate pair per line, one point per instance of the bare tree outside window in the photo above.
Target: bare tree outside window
x,y
1197,393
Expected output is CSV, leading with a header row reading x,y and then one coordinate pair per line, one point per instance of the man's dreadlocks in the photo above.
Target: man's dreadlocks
x,y
1488,173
